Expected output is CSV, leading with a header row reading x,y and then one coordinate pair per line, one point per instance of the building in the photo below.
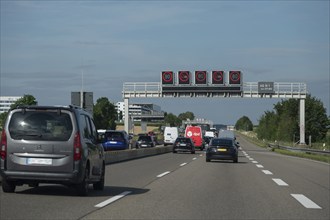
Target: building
x,y
6,102
141,112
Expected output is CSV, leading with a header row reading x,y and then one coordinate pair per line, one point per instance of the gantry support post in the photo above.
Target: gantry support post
x,y
302,121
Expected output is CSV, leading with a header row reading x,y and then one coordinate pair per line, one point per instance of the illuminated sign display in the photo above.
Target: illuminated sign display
x,y
235,77
184,77
200,77
167,77
217,77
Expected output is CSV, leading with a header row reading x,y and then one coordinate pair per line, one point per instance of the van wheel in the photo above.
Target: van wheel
x,y
8,186
82,188
100,185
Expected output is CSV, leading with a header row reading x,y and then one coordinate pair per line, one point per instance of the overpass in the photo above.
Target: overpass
x,y
259,90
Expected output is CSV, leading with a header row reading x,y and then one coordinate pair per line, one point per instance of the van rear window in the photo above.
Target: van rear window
x,y
40,125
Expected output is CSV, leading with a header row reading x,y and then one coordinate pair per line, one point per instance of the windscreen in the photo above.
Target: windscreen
x,y
222,142
40,125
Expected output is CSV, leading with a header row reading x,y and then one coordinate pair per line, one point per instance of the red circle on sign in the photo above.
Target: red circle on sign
x,y
167,76
217,75
235,76
200,76
184,76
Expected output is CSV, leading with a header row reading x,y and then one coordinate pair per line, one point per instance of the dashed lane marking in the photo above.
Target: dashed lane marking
x,y
259,166
267,172
306,202
280,182
183,164
163,174
112,199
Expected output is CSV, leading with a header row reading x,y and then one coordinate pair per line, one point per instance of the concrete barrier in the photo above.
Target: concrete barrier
x,y
118,156
124,155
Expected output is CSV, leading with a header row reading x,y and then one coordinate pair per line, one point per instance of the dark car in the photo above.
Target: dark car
x,y
222,149
183,144
145,141
51,144
115,140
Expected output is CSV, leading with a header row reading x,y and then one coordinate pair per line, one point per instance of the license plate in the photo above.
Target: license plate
x,y
113,142
183,145
39,161
144,145
222,150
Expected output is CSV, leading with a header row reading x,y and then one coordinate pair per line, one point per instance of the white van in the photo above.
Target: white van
x,y
170,135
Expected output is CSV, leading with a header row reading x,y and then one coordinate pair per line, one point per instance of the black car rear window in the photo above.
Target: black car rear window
x,y
114,136
222,142
144,138
183,140
40,125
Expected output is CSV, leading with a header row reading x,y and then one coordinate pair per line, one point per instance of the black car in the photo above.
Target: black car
x,y
145,141
222,149
183,144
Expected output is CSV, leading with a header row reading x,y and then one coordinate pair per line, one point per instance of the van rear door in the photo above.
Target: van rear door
x,y
40,140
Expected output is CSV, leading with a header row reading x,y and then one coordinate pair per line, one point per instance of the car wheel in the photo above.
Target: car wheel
x,y
174,152
82,188
235,160
192,152
208,160
8,186
100,184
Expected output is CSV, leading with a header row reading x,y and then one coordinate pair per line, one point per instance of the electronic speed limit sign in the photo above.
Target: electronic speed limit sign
x,y
217,77
184,77
167,77
235,77
200,77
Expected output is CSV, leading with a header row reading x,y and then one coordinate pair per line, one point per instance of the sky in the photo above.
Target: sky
x,y
46,47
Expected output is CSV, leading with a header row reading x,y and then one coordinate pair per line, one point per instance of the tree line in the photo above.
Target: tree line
x,y
282,123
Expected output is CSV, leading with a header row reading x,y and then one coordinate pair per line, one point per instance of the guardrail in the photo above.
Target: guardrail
x,y
305,150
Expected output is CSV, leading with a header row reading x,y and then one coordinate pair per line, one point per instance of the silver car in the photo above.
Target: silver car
x,y
51,144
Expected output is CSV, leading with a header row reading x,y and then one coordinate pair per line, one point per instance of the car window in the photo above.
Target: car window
x,y
40,125
114,136
85,125
144,138
222,142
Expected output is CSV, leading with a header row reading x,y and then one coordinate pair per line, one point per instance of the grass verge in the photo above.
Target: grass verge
x,y
317,157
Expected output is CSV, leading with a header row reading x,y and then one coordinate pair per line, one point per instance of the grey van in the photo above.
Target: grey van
x,y
51,144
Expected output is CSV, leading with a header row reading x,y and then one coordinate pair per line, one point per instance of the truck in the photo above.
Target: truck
x,y
195,133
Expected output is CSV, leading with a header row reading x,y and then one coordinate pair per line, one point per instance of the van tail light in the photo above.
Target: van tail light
x,y
77,148
3,147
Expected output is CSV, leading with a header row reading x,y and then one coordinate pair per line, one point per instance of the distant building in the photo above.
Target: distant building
x,y
141,111
6,102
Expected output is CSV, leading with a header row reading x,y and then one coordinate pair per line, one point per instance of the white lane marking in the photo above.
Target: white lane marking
x,y
201,155
280,182
254,161
112,199
163,174
267,172
306,202
259,165
251,158
195,158
181,165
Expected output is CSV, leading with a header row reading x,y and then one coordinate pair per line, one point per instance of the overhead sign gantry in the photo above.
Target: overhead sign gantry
x,y
217,84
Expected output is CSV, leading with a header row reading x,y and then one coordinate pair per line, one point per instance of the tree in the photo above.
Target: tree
x,y
172,120
104,114
25,100
283,123
186,115
244,123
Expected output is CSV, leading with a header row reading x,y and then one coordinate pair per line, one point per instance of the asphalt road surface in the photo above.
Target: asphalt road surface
x,y
262,185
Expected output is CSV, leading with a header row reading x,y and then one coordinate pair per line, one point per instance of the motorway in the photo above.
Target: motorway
x,y
262,185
